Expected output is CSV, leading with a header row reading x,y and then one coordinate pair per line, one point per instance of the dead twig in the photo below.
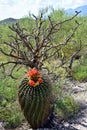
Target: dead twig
x,y
33,48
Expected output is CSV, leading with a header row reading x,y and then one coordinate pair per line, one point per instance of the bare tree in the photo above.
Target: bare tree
x,y
31,50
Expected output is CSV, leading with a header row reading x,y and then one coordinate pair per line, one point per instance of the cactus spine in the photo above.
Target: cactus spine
x,y
34,95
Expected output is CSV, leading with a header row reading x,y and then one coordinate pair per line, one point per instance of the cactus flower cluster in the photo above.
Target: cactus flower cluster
x,y
35,77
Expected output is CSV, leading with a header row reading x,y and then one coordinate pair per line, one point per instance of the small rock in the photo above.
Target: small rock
x,y
66,124
1,126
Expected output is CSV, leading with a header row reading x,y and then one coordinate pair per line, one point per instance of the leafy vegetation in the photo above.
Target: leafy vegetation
x,y
66,108
80,70
9,110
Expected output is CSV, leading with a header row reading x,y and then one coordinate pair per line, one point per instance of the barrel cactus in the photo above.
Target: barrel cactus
x,y
35,95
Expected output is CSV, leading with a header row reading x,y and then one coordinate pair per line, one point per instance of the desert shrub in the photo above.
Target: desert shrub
x,y
9,112
80,70
66,107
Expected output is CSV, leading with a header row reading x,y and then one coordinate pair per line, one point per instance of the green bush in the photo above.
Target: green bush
x,y
66,107
80,71
9,112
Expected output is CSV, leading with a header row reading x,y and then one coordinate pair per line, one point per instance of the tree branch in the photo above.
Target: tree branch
x,y
34,48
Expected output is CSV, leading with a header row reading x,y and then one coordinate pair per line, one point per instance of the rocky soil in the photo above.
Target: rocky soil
x,y
79,92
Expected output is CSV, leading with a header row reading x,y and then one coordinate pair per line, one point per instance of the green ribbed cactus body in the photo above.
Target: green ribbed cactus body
x,y
35,101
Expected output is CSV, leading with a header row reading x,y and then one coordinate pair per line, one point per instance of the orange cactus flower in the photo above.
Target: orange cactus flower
x,y
33,72
40,80
34,77
31,83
